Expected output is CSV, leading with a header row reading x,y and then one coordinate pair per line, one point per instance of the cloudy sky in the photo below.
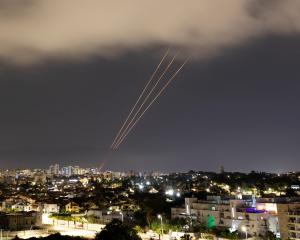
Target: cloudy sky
x,y
70,72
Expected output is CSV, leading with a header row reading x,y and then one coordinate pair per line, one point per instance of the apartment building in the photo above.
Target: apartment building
x,y
234,214
289,220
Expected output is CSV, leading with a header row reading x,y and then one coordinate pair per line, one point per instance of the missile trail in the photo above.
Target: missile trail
x,y
149,105
145,100
140,97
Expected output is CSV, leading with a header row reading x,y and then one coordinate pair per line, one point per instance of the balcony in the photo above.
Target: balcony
x,y
294,230
295,213
294,236
297,223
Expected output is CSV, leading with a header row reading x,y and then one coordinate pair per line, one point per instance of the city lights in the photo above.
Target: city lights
x,y
170,192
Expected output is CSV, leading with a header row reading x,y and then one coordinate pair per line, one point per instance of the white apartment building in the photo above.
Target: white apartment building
x,y
234,214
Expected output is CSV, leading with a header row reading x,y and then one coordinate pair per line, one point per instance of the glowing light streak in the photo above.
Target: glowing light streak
x,y
146,99
150,104
139,98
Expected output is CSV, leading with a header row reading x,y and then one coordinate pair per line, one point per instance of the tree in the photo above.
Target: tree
x,y
149,217
271,236
116,230
225,233
210,223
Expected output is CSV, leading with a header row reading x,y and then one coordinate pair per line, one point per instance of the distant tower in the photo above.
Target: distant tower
x,y
222,169
54,169
253,201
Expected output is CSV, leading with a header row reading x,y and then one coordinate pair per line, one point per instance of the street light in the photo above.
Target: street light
x,y
244,229
122,216
159,216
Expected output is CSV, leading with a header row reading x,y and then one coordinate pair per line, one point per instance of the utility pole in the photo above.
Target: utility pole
x,y
245,230
122,216
161,222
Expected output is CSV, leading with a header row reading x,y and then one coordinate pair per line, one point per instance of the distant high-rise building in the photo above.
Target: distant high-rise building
x,y
222,169
54,169
67,171
76,170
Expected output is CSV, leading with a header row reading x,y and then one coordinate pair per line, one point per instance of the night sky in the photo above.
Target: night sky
x,y
238,108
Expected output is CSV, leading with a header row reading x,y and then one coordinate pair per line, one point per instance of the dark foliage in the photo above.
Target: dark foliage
x,y
116,230
55,236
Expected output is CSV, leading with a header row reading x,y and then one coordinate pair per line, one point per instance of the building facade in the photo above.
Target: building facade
x,y
289,220
233,214
20,221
